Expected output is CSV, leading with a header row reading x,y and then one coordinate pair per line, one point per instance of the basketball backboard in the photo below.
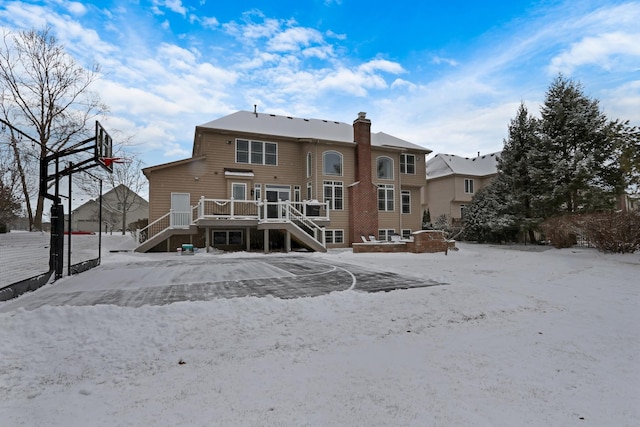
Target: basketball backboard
x,y
104,148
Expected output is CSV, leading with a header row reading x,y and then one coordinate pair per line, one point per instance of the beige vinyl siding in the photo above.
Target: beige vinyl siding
x,y
440,192
180,179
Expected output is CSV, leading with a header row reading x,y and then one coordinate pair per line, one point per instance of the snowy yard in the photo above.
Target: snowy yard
x,y
517,337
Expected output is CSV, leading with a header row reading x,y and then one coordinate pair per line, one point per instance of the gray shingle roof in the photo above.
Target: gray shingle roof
x,y
294,127
449,164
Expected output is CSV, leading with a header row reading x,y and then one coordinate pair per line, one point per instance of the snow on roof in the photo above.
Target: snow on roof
x,y
449,164
294,127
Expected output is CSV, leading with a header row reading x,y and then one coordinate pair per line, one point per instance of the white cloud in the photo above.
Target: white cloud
x,y
381,65
173,5
210,22
403,84
321,52
293,38
605,50
439,60
75,8
250,31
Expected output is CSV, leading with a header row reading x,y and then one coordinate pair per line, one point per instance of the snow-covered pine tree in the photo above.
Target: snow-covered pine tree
x,y
575,167
513,169
486,218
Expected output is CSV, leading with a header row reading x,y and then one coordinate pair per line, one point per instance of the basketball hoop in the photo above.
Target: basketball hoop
x,y
109,161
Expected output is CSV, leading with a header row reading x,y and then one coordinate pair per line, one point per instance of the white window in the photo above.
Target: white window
x,y
309,191
406,202
385,234
332,163
239,191
407,164
256,152
296,193
468,186
257,191
333,192
406,233
385,197
309,165
385,167
462,209
334,236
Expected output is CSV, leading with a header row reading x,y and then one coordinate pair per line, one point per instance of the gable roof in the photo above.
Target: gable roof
x,y
106,195
293,127
450,164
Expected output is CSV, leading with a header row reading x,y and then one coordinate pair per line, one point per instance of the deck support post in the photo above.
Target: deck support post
x,y
287,241
266,240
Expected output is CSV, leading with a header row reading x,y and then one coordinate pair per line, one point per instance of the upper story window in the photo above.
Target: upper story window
x,y
407,164
406,202
334,194
256,152
385,167
309,165
385,197
239,191
468,186
332,163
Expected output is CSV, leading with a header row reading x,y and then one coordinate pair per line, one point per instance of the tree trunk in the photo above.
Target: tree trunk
x,y
23,182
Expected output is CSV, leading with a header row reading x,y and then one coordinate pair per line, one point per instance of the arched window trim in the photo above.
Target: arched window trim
x,y
378,159
324,163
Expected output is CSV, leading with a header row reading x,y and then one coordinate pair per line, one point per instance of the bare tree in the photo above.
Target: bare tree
x,y
127,182
21,160
48,93
9,188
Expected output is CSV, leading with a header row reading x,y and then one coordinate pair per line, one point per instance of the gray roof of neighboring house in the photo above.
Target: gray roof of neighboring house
x,y
293,127
450,164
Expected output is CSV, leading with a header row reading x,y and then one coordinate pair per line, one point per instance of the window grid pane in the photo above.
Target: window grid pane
x,y
406,202
332,163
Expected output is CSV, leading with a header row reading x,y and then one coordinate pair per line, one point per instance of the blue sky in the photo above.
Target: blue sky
x,y
445,75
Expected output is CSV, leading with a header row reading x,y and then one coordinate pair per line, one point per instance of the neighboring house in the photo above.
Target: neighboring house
x,y
453,180
114,202
628,202
261,181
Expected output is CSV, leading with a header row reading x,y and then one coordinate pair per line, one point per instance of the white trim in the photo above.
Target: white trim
x,y
240,174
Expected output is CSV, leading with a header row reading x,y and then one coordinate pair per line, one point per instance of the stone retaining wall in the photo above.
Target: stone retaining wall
x,y
424,241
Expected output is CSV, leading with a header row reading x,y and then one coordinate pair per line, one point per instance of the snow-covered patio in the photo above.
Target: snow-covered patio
x,y
518,337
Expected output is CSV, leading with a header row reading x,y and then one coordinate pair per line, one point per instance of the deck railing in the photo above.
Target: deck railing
x,y
302,213
227,208
154,228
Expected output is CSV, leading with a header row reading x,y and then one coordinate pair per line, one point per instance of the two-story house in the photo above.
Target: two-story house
x,y
453,180
259,181
121,207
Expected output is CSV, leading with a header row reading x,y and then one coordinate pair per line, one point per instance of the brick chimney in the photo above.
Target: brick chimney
x,y
363,194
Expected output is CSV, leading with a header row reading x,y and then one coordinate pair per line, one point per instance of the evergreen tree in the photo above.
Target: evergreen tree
x,y
513,169
486,218
575,164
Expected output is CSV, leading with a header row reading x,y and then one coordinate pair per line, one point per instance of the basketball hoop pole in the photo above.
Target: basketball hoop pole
x,y
57,209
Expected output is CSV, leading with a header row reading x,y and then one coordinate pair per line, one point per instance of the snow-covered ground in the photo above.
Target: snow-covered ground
x,y
518,337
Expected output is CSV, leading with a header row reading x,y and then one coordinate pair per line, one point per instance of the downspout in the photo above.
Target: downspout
x,y
400,191
315,173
